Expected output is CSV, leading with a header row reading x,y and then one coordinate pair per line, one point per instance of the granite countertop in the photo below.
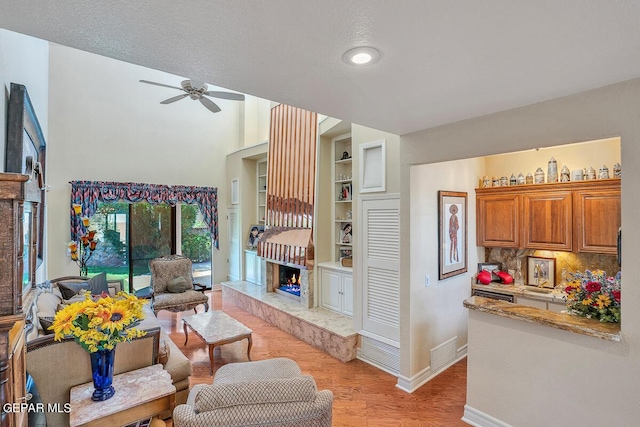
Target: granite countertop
x,y
522,291
564,321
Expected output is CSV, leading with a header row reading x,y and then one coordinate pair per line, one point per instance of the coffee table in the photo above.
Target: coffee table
x,y
216,328
140,394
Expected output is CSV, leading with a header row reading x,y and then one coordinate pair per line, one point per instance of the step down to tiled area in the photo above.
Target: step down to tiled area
x,y
330,332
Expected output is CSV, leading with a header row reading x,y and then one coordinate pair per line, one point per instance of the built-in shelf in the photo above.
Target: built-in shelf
x,y
261,185
342,174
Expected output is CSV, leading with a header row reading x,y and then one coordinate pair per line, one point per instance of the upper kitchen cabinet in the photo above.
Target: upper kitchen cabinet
x,y
580,216
597,216
498,219
547,220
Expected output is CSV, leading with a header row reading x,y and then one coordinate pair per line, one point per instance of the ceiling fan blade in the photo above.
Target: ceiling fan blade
x,y
174,99
210,105
160,84
225,95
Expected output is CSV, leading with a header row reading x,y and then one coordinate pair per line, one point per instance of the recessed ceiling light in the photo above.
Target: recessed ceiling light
x,y
363,55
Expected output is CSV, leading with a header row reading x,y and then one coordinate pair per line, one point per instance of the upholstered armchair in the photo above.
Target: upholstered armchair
x,y
264,393
172,285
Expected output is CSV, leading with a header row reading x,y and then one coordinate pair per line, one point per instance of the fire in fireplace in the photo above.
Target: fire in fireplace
x,y
290,280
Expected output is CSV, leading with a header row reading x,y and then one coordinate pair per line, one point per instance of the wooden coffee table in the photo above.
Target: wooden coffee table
x,y
216,328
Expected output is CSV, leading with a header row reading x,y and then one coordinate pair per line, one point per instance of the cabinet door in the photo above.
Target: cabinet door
x,y
597,220
347,294
547,219
331,284
498,220
531,303
250,267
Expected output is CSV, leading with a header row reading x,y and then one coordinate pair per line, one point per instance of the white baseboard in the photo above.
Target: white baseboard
x,y
217,287
479,419
418,380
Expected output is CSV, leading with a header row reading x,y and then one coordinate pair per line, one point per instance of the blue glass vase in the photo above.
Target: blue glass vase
x,y
102,373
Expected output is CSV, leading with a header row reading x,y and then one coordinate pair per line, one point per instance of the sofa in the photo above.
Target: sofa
x,y
269,392
56,366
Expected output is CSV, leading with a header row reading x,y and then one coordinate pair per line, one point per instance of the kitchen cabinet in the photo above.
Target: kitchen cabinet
x,y
580,216
336,288
597,215
547,220
498,220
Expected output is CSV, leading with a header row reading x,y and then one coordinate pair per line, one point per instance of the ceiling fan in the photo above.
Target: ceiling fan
x,y
198,90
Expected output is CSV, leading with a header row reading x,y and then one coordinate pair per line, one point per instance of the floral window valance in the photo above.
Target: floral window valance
x,y
88,193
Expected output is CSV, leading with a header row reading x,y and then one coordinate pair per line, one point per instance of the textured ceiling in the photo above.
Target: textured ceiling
x,y
442,61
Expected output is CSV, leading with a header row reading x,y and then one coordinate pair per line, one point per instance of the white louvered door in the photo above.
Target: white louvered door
x,y
381,267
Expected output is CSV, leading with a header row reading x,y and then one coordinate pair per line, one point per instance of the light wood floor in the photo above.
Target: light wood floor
x,y
363,395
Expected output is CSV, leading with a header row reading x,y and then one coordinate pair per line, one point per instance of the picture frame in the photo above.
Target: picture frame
x,y
254,236
26,151
490,266
541,271
346,193
452,233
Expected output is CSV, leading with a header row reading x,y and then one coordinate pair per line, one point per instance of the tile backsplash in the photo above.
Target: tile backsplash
x,y
571,261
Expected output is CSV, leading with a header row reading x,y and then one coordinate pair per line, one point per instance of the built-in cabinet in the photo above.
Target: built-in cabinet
x,y
252,267
581,216
336,285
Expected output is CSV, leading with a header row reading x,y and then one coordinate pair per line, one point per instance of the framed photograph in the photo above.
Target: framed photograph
x,y
345,192
255,234
490,266
452,233
541,271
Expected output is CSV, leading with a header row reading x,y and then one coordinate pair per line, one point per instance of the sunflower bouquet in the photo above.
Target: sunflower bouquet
x,y
99,323
594,295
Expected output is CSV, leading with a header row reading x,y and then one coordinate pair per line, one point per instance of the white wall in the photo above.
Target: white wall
x,y
257,119
25,60
531,375
104,125
575,156
436,312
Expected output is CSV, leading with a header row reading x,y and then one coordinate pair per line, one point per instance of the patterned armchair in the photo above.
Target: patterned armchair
x,y
164,271
266,393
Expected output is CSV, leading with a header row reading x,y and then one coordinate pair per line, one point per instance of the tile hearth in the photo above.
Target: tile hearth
x,y
328,331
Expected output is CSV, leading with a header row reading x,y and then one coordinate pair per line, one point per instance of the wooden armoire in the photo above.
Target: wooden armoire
x,y
20,199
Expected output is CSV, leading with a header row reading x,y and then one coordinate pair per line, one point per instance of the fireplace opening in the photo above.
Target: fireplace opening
x,y
289,280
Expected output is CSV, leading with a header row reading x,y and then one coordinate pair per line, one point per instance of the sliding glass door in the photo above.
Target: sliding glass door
x,y
152,234
132,234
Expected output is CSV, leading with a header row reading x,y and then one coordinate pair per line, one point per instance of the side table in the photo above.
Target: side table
x,y
140,394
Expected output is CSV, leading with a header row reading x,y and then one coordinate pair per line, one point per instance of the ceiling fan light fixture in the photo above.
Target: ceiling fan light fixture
x,y
363,55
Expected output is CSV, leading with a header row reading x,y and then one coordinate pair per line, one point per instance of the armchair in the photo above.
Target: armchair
x,y
163,271
266,393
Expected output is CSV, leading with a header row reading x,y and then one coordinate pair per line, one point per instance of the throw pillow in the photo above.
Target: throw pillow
x,y
178,285
163,352
46,322
96,285
70,289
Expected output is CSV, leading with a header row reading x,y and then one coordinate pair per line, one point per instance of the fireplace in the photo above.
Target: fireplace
x,y
291,281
